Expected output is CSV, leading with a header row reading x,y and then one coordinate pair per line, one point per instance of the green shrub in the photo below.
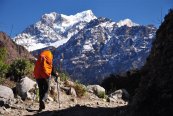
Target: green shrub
x,y
80,89
3,66
101,94
20,67
2,80
3,52
63,76
3,69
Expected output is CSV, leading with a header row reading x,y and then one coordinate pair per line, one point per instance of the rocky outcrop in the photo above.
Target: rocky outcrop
x,y
154,96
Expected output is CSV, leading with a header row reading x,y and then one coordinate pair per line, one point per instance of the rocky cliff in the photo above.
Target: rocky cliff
x,y
154,96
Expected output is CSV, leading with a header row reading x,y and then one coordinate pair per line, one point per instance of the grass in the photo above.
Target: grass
x,y
80,89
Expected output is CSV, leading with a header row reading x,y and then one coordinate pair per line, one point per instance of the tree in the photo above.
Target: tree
x,y
20,68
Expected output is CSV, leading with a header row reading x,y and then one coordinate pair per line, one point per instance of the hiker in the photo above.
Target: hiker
x,y
42,71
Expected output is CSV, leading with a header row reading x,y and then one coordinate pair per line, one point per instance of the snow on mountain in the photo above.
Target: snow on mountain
x,y
93,48
102,48
53,30
126,22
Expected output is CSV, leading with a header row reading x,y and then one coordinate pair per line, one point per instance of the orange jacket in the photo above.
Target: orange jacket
x,y
43,65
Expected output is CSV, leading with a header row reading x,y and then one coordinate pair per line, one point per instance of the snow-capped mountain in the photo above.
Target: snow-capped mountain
x,y
103,48
53,30
92,48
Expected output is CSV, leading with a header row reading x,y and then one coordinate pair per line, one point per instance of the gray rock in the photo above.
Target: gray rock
x,y
24,86
72,92
120,94
97,89
6,96
6,92
53,87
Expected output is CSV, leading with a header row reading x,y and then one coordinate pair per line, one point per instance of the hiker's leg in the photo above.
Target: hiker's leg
x,y
41,92
46,88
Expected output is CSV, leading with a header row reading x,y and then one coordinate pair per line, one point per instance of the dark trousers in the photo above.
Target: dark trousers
x,y
43,85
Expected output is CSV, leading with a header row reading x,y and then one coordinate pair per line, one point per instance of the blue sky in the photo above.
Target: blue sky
x,y
16,15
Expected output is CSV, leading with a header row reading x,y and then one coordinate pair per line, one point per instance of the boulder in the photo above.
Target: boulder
x,y
25,87
6,92
96,89
120,94
6,96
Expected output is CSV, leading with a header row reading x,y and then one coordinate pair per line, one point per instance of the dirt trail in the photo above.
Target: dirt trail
x,y
90,105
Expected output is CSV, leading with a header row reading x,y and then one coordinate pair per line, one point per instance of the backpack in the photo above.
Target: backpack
x,y
43,65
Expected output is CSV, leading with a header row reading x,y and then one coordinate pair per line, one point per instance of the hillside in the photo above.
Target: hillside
x,y
14,51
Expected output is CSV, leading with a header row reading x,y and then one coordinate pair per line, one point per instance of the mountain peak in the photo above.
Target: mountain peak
x,y
52,28
49,18
87,15
127,22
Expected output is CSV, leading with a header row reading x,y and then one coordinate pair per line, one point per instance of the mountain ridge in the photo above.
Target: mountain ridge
x,y
55,29
97,51
92,48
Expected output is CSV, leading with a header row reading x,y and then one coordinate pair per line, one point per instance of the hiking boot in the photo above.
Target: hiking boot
x,y
42,105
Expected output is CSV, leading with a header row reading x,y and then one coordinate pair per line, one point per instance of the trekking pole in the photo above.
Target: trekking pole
x,y
58,88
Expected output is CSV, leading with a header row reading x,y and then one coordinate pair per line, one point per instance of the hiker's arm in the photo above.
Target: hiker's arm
x,y
55,73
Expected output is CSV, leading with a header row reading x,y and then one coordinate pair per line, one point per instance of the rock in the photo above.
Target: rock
x,y
6,92
118,95
53,87
69,83
97,89
110,99
104,100
66,89
72,92
31,96
74,100
24,86
7,102
6,96
2,110
50,98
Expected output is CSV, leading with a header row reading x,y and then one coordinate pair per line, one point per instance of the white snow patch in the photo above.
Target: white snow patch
x,y
126,22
